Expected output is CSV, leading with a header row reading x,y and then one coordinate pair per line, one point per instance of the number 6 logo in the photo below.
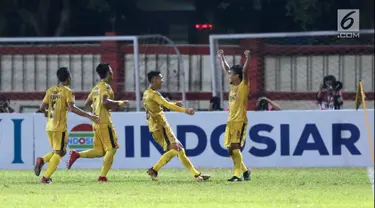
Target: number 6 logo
x,y
348,20
345,19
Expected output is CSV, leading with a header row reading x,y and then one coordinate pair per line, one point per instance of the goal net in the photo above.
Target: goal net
x,y
288,68
28,67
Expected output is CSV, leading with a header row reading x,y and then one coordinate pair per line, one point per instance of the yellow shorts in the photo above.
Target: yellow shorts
x,y
235,133
164,137
105,139
58,139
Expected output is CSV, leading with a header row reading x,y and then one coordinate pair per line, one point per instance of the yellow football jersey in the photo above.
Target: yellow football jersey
x,y
102,89
238,97
57,98
154,103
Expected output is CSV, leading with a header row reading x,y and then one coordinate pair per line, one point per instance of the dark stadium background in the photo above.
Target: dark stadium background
x,y
173,18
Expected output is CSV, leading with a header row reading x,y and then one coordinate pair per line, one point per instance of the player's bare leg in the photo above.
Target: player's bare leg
x,y
235,153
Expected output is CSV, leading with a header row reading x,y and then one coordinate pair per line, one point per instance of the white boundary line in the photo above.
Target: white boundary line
x,y
370,173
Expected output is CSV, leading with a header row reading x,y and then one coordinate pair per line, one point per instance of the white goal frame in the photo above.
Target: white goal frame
x,y
214,47
133,39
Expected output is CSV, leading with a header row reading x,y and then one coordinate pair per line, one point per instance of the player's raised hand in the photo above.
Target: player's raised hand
x,y
247,53
179,104
190,111
95,119
220,53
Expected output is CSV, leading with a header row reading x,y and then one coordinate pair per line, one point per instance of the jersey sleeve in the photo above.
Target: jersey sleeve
x,y
163,102
69,97
90,96
242,84
244,88
46,97
104,92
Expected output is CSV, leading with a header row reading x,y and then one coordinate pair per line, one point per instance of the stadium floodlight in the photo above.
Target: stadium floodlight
x,y
33,58
289,67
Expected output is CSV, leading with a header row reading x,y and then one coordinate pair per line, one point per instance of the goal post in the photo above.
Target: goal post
x,y
288,67
28,65
168,48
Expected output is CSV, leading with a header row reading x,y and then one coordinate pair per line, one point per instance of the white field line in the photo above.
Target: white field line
x,y
370,173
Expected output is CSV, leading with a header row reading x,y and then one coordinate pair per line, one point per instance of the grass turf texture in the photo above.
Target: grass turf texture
x,y
176,188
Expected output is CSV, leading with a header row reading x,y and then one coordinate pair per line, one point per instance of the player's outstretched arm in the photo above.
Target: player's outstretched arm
x,y
73,108
171,106
223,61
246,67
110,104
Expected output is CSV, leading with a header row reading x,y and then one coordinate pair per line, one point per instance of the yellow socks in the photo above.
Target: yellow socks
x,y
237,160
186,162
47,157
91,153
243,166
52,166
165,158
107,162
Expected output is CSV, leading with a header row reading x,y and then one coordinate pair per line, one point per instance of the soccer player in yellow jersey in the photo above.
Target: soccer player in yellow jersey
x,y
59,100
161,130
105,138
235,131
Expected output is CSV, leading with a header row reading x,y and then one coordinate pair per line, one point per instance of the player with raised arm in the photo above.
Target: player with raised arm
x,y
161,130
105,138
59,100
235,131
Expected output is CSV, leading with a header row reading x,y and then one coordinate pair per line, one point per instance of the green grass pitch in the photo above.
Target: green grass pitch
x,y
349,187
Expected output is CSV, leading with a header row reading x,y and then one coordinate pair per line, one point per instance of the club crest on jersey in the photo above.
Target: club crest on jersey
x,y
232,97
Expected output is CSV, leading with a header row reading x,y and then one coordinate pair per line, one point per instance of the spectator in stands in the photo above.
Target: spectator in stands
x,y
215,104
5,105
265,104
329,96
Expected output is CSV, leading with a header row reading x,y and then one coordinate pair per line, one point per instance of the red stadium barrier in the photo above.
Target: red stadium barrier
x,y
113,53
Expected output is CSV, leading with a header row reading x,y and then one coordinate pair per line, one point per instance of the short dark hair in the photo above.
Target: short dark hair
x,y
337,85
63,74
152,74
262,105
102,69
237,69
330,78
